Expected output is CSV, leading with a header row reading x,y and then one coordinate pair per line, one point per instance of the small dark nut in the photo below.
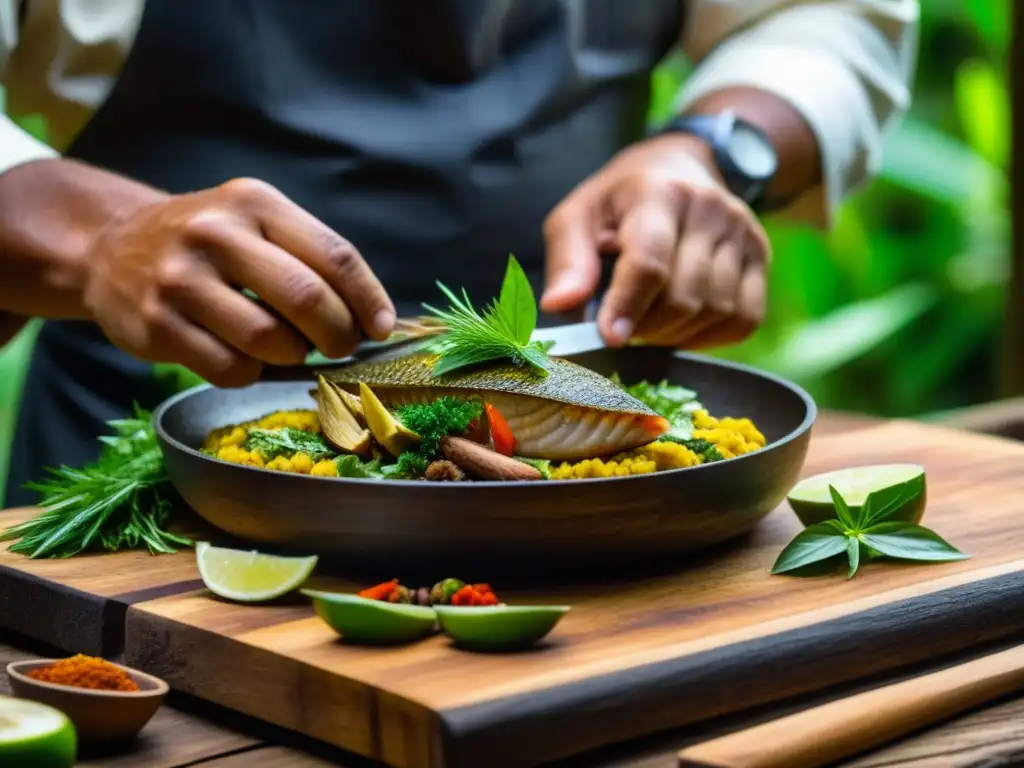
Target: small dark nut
x,y
444,471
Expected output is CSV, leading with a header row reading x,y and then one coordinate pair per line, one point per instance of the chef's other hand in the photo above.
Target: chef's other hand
x,y
163,283
692,257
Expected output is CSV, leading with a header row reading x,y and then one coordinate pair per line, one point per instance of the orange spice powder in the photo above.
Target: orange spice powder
x,y
85,672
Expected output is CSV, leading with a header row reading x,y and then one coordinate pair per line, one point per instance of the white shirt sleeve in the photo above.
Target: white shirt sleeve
x,y
16,146
845,65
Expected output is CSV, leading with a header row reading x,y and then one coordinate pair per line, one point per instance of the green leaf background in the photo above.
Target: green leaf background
x,y
908,289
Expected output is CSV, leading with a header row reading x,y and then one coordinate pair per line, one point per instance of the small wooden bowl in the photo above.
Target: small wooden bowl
x,y
98,716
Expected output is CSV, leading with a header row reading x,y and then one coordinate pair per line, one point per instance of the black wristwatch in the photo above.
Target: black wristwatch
x,y
743,152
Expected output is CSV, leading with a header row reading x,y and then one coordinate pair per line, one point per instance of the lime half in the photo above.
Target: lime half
x,y
362,620
250,577
499,627
36,735
812,502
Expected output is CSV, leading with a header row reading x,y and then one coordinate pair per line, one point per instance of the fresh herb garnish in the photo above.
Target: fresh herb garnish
x,y
865,532
287,441
410,464
707,450
445,416
350,465
541,465
675,403
502,332
121,501
431,421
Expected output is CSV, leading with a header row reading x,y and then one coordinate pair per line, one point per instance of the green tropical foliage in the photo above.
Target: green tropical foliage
x,y
897,310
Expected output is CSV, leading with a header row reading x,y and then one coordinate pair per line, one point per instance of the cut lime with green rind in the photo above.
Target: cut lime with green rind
x,y
811,501
372,622
36,735
499,627
250,576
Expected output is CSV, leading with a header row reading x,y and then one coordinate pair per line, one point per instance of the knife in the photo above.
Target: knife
x,y
565,340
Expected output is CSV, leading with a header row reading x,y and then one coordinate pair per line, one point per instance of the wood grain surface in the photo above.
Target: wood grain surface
x,y
718,636
857,723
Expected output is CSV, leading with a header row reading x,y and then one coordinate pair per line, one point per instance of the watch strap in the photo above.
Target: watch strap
x,y
716,130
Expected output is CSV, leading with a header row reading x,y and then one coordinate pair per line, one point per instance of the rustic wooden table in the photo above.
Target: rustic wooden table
x,y
188,733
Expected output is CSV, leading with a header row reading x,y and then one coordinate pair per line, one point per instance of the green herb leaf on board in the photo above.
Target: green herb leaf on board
x,y
906,541
853,555
843,513
860,536
812,545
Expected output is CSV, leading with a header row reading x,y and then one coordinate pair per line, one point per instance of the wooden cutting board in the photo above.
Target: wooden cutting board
x,y
717,637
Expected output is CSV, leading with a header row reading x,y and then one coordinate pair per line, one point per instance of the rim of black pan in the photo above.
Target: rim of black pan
x,y
808,421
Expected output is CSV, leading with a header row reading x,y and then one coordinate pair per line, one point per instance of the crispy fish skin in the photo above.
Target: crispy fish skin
x,y
572,413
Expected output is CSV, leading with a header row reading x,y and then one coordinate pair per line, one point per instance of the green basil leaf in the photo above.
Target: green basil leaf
x,y
813,544
853,555
536,357
454,358
907,541
864,513
517,305
884,503
843,513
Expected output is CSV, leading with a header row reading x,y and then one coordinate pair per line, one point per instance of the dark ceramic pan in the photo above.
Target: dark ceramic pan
x,y
392,522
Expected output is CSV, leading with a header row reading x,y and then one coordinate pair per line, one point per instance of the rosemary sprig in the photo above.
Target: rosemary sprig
x,y
501,332
121,501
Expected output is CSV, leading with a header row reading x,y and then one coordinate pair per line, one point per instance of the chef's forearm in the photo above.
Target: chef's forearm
x,y
50,213
790,135
844,65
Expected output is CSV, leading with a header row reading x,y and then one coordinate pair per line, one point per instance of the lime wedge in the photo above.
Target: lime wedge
x,y
812,502
250,577
499,627
34,734
372,622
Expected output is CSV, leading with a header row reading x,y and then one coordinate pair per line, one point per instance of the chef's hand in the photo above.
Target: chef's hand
x,y
691,269
163,283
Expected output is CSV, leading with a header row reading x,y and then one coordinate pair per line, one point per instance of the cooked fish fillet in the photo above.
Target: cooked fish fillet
x,y
572,413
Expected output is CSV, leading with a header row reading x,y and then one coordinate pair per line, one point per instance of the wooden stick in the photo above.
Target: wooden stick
x,y
842,728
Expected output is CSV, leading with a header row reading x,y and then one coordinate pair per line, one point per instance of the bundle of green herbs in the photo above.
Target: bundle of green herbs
x,y
123,500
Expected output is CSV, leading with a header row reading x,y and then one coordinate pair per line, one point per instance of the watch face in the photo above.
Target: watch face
x,y
752,153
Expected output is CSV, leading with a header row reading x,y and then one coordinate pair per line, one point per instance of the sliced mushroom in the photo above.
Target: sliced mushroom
x,y
386,429
338,424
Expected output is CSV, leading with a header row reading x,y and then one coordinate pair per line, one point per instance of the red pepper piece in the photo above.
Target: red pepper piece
x,y
474,595
380,591
501,434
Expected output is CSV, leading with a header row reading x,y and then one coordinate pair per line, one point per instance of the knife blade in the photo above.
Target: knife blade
x,y
566,341
571,339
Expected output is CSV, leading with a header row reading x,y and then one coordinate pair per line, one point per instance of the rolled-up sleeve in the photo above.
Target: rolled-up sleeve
x,y
16,146
845,66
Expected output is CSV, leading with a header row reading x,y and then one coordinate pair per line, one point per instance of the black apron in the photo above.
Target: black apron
x,y
435,136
